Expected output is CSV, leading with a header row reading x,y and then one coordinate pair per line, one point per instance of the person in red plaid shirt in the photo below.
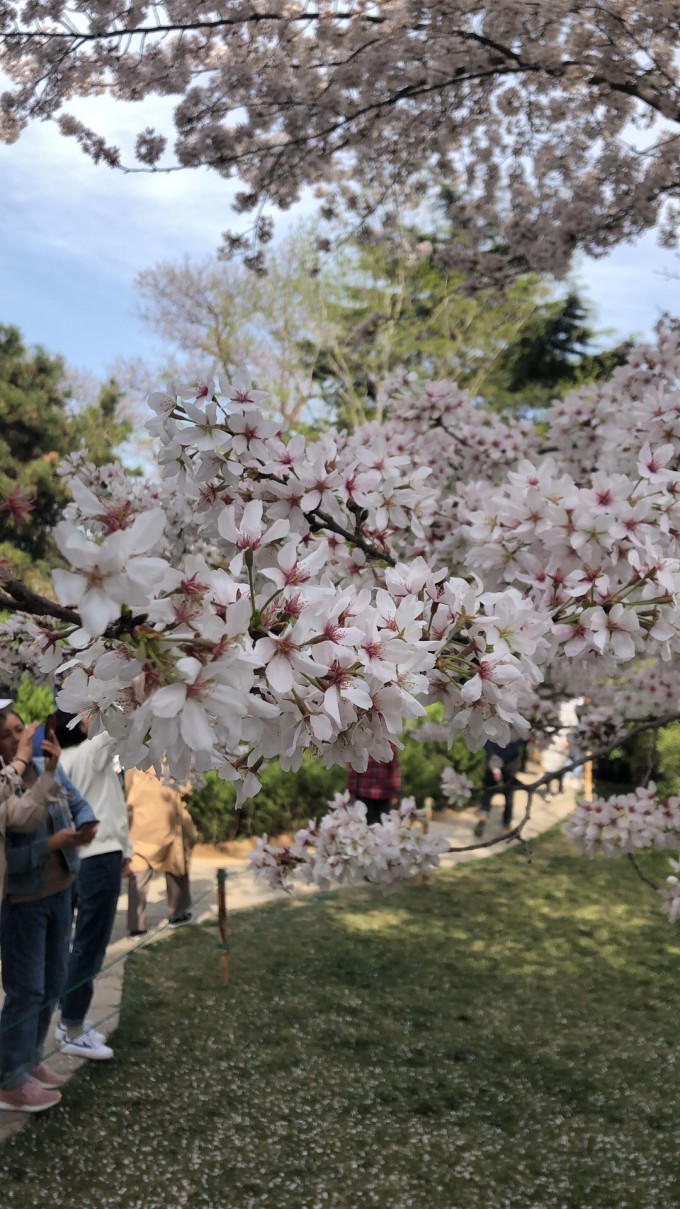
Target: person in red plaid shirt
x,y
379,787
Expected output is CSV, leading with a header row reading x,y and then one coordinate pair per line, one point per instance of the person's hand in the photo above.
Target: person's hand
x,y
52,753
68,837
126,867
394,802
88,832
25,747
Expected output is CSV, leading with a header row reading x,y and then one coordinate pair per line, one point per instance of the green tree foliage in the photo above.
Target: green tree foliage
x,y
668,759
288,799
33,702
39,425
518,347
552,354
320,333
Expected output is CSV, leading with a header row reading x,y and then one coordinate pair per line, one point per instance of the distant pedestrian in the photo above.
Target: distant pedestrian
x,y
379,787
162,835
500,776
559,751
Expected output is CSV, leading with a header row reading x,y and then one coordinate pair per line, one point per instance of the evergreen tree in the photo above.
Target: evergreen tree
x,y
39,425
552,354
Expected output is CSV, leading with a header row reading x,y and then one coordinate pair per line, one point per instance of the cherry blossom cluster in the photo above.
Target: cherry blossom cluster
x,y
253,645
530,105
21,651
271,594
589,431
625,822
456,787
343,848
649,691
671,894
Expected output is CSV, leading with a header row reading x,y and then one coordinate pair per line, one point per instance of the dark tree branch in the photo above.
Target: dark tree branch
x,y
20,599
530,787
17,598
31,35
324,521
643,876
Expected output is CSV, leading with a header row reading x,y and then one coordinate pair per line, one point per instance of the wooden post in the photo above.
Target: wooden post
x,y
588,781
223,924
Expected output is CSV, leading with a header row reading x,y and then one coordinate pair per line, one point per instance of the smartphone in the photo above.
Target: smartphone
x,y
50,727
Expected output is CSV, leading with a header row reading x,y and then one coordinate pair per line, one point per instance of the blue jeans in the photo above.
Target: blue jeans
x,y
98,888
34,940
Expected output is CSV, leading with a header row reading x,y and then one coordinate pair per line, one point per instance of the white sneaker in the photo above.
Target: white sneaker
x,y
61,1032
87,1045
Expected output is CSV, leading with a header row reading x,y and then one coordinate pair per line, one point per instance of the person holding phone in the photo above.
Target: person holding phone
x,y
35,924
19,810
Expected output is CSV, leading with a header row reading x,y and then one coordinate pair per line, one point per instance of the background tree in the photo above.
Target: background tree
x,y
560,119
39,425
517,345
331,330
219,312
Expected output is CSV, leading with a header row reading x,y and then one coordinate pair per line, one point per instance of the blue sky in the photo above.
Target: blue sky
x,y
74,235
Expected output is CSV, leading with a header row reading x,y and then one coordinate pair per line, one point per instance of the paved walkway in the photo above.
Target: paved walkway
x,y
244,892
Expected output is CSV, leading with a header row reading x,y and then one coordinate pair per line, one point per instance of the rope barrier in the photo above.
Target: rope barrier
x,y
285,908
155,932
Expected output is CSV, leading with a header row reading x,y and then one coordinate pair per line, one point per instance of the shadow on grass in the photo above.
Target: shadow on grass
x,y
503,1035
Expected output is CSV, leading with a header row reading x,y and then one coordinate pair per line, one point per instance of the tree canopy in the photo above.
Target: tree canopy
x,y
559,120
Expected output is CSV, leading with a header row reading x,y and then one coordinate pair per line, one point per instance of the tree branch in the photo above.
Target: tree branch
x,y
190,26
324,521
531,786
643,876
22,600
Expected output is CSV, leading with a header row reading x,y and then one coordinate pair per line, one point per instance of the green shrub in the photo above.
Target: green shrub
x,y
422,764
668,759
649,755
34,702
285,802
288,799
212,809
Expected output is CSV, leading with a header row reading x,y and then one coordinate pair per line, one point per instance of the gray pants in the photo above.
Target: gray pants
x,y
178,891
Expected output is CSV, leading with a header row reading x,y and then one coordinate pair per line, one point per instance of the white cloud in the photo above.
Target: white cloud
x,y
75,234
633,286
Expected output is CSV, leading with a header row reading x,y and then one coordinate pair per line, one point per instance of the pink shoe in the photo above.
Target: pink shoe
x,y
28,1097
48,1078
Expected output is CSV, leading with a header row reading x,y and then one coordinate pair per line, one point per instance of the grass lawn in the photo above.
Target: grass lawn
x,y
505,1035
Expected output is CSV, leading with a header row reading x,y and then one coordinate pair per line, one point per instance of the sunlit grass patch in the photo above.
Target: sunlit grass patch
x,y
503,1036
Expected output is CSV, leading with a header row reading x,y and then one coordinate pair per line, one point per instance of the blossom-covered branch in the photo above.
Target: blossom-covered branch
x,y
527,109
270,594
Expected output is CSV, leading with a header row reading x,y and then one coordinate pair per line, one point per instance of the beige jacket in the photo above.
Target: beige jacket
x,y
161,830
24,812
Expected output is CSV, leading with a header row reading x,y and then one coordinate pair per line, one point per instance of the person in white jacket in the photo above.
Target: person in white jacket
x,y
89,765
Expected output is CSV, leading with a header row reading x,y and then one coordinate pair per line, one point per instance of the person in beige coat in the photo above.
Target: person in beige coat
x,y
162,835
